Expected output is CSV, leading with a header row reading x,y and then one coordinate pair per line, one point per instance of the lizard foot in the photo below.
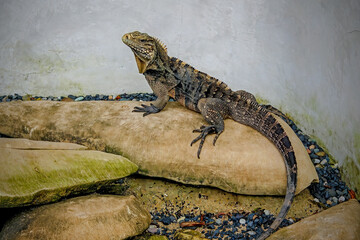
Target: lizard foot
x,y
146,109
204,131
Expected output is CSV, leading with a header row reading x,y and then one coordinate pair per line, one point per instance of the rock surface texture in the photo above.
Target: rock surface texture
x,y
243,161
339,222
89,217
35,173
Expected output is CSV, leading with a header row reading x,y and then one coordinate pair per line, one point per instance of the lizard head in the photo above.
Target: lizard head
x,y
145,48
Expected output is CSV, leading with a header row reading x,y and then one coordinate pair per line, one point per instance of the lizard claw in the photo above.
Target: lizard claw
x,y
204,131
146,109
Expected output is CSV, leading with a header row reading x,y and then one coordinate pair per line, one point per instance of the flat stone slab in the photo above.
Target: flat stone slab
x,y
31,177
89,217
18,143
243,161
339,222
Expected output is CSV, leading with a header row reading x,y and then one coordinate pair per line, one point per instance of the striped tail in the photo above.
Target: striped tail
x,y
252,114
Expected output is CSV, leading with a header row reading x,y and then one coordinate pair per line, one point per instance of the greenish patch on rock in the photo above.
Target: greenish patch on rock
x,y
188,234
41,176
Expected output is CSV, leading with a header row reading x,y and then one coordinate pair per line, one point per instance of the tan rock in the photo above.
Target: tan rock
x,y
21,143
90,217
339,222
243,161
30,177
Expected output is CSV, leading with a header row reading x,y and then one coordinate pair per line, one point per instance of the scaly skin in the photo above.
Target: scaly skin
x,y
171,77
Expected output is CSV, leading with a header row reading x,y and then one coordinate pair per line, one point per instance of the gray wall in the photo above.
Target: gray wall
x,y
301,56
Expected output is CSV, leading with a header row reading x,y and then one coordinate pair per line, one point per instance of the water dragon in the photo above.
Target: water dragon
x,y
171,77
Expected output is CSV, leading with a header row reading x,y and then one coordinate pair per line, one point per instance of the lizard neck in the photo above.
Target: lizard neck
x,y
160,64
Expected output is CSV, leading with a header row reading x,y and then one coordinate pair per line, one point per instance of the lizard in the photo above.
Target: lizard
x,y
197,91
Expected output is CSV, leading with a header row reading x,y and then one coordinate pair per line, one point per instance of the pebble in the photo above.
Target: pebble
x,y
79,99
342,199
267,212
152,229
218,221
181,219
316,200
323,162
252,233
321,154
316,161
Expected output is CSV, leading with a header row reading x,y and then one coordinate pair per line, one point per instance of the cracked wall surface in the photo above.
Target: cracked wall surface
x,y
301,56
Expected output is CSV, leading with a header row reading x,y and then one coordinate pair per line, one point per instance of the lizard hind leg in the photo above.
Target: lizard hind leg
x,y
214,111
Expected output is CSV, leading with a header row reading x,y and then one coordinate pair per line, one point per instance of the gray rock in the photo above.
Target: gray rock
x,y
242,221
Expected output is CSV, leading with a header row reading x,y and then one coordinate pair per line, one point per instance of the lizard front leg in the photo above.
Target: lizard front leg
x,y
214,111
161,92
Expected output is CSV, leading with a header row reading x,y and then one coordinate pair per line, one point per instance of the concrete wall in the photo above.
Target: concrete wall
x,y
302,56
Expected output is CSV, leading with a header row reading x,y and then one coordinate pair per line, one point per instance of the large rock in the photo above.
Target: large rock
x,y
20,143
339,222
30,177
243,161
90,217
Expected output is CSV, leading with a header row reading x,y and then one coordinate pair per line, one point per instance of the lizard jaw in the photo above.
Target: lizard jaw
x,y
140,64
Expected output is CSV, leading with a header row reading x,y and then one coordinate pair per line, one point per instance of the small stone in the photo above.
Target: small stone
x,y
218,221
181,219
118,97
316,161
172,219
320,154
267,212
316,200
312,147
316,150
242,221
252,233
79,99
332,192
27,97
152,229
323,162
67,100
336,165
335,200
342,199
111,97
328,202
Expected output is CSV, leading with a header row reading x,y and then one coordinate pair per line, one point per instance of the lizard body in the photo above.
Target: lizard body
x,y
171,77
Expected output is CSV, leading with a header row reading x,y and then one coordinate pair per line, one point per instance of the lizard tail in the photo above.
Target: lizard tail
x,y
263,121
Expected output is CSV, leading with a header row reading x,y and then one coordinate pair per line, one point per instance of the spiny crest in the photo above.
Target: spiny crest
x,y
161,44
